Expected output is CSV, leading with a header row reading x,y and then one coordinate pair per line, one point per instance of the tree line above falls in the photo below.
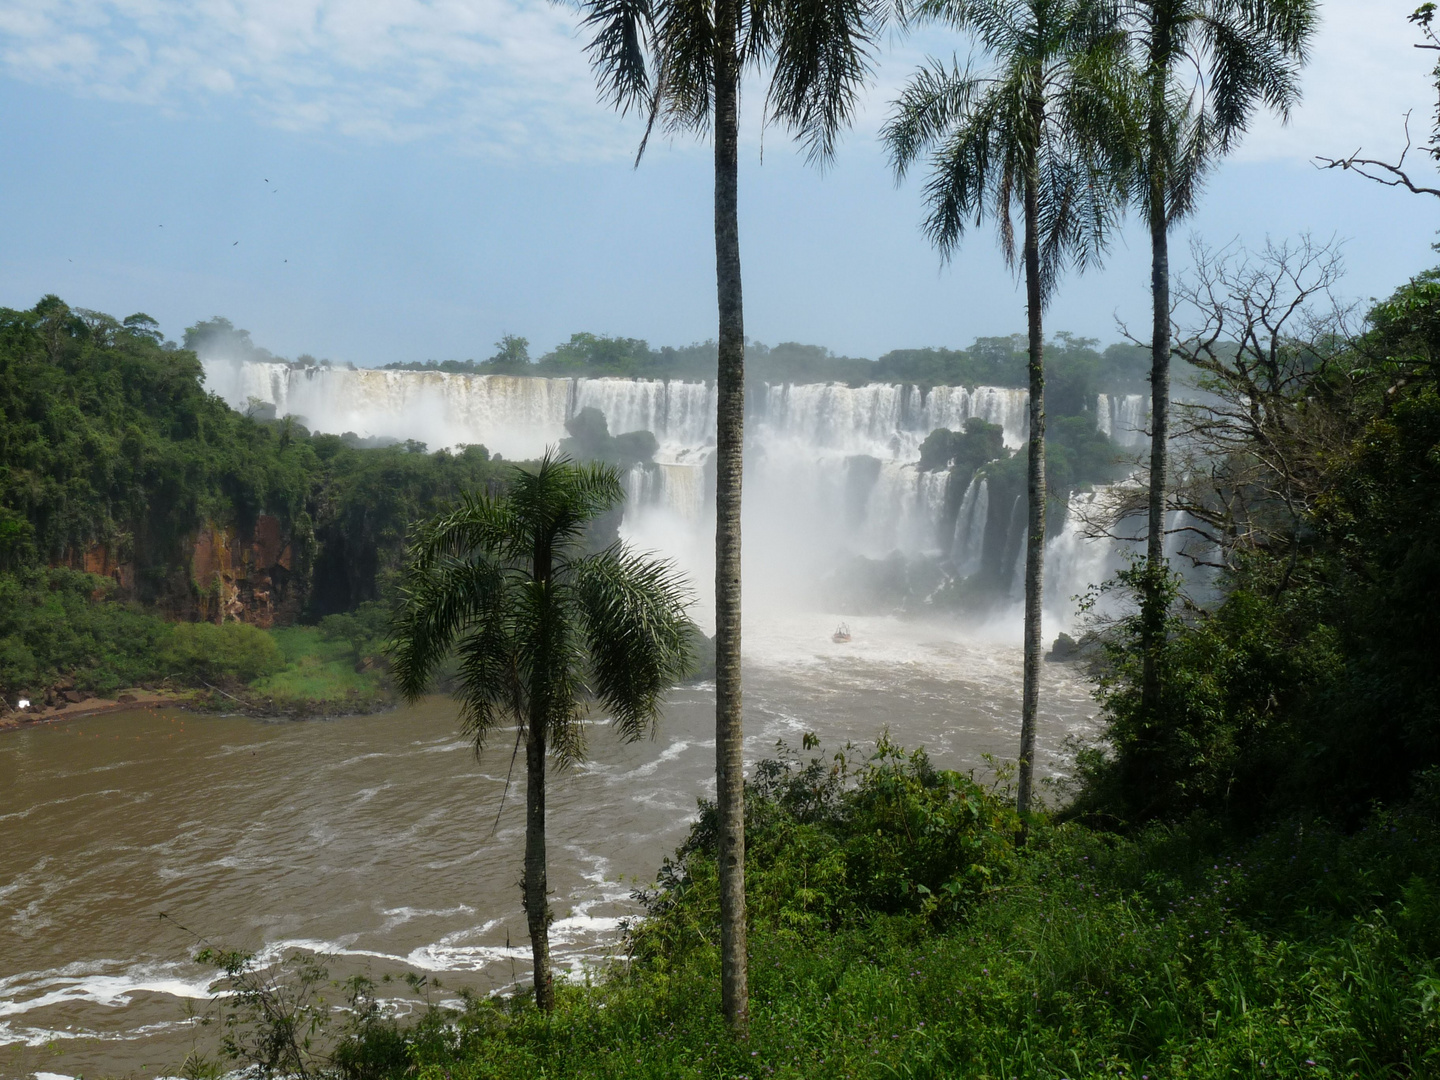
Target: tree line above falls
x,y
994,361
1076,367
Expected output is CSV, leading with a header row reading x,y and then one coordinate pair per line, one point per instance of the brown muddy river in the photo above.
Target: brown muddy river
x,y
374,839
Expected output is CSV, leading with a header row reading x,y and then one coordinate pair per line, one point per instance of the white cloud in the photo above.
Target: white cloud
x,y
1364,75
509,76
496,74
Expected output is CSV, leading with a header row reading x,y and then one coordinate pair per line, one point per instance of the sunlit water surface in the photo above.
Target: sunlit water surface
x,y
375,839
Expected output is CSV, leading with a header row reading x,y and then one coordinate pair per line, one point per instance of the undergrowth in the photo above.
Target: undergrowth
x,y
317,669
898,932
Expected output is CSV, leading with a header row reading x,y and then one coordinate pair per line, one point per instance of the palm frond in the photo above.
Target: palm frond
x,y
959,176
441,599
491,684
549,660
685,45
822,59
936,99
550,506
490,581
1054,104
636,633
992,22
621,32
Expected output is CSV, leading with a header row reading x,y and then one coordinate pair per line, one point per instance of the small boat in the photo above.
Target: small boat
x,y
841,634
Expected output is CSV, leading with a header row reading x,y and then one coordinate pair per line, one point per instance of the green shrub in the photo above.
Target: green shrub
x,y
365,629
56,622
831,845
233,650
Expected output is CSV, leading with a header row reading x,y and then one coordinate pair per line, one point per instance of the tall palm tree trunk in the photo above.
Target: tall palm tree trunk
x,y
1152,616
537,908
1035,488
729,449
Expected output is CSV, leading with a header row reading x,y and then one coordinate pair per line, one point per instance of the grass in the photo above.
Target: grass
x,y
318,673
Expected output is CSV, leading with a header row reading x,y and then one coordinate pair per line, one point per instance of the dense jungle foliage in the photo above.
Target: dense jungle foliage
x,y
108,437
1312,684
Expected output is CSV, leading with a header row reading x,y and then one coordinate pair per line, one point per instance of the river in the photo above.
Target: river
x,y
375,839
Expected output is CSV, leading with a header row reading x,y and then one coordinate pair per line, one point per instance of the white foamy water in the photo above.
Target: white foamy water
x,y
375,839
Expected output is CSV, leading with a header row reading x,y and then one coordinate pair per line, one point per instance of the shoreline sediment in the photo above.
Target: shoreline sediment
x,y
198,701
19,719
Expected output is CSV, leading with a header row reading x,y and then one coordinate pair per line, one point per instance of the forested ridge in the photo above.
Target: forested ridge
x,y
115,459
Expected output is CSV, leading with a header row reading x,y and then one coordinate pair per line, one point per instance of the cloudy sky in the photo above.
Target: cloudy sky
x,y
376,180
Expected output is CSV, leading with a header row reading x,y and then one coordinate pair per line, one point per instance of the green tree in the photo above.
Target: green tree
x,y
512,355
1037,131
681,64
1204,66
540,628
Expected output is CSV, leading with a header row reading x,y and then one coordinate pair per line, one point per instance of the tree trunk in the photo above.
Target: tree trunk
x,y
729,447
1152,601
537,908
1035,487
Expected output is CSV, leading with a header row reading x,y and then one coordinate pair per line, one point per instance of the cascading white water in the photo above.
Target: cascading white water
x,y
681,415
887,419
1074,560
831,469
970,527
1124,418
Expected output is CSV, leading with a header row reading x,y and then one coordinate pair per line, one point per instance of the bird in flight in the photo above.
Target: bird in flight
x,y
236,242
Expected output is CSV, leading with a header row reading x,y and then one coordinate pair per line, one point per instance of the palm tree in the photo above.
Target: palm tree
x,y
539,628
1203,68
680,64
1036,131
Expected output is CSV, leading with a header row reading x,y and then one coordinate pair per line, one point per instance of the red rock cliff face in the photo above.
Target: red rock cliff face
x,y
102,560
225,577
250,580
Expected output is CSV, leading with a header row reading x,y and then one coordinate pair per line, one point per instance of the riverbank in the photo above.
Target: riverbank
x,y
210,699
134,698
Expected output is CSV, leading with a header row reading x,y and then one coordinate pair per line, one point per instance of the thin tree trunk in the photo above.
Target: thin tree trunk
x,y
537,908
1035,488
1152,615
729,446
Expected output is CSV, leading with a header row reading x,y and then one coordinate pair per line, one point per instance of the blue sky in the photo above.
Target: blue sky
x,y
409,180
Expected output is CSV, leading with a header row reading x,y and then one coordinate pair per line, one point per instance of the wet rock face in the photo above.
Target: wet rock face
x,y
248,579
225,576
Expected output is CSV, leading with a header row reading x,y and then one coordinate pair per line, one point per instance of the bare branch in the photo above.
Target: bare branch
x,y
1397,177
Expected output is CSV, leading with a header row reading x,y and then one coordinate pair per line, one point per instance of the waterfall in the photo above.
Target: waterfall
x,y
679,414
644,486
969,543
1073,561
1124,418
886,419
830,469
